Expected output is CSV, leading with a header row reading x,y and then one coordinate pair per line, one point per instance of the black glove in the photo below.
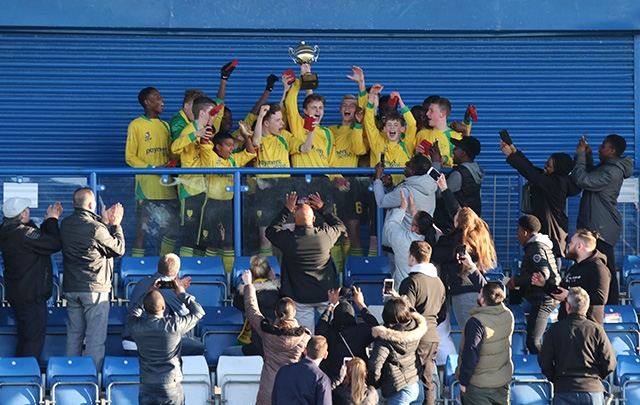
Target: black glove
x,y
226,70
271,80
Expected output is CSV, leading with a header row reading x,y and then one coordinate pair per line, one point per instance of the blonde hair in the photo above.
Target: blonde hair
x,y
357,378
476,236
259,266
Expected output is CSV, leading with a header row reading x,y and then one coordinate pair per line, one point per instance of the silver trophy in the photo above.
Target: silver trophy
x,y
306,54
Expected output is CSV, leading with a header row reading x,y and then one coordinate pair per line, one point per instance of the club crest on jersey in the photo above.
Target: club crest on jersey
x,y
147,136
190,213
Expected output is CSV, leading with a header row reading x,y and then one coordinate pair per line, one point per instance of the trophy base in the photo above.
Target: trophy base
x,y
309,81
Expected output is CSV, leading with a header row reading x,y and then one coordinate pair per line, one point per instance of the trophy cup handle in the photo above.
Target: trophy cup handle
x,y
292,55
316,53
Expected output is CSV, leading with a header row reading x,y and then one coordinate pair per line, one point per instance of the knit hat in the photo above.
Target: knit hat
x,y
529,223
469,144
562,163
343,314
14,206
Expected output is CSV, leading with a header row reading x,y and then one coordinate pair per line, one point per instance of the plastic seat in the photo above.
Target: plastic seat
x,y
242,263
219,329
630,267
133,269
519,317
208,279
529,386
620,317
367,273
627,377
197,381
115,325
633,292
72,380
495,274
450,376
8,332
55,296
624,341
55,341
121,380
239,378
519,342
20,381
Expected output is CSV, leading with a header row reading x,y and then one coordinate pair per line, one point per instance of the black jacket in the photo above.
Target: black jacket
x,y
444,254
576,355
268,294
425,294
538,258
307,269
593,275
357,335
393,364
88,249
26,252
549,198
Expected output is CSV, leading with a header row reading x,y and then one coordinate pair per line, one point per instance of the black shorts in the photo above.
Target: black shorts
x,y
349,205
217,224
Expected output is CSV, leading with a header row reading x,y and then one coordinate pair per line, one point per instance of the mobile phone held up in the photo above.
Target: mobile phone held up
x,y
506,138
381,159
388,286
434,173
165,283
461,251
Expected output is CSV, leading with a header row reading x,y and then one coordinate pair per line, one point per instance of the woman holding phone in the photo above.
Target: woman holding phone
x,y
353,389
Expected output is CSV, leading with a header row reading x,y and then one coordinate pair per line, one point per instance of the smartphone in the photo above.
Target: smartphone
x,y
381,159
345,360
584,137
461,251
434,173
302,200
388,286
556,291
165,283
309,122
393,101
437,143
506,138
346,293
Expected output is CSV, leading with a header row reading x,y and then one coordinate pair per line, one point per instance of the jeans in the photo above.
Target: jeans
x,y
578,398
232,351
537,323
485,396
305,313
87,323
170,394
409,395
462,306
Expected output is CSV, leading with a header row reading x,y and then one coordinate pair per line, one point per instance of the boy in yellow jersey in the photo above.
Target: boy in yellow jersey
x,y
191,187
217,222
347,191
184,117
148,145
316,145
438,115
395,140
273,146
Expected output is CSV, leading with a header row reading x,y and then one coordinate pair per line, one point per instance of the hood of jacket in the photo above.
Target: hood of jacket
x,y
289,334
476,171
401,337
268,285
541,238
428,269
423,184
624,163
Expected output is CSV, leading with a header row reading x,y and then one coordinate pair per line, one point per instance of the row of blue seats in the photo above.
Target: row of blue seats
x,y
74,380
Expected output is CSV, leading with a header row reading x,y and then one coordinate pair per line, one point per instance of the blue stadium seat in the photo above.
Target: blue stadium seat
x,y
620,317
450,376
20,381
495,274
515,266
57,286
519,342
627,377
367,273
8,332
208,279
121,380
633,293
519,317
197,380
55,341
624,341
72,380
115,325
133,269
630,269
242,263
219,329
529,386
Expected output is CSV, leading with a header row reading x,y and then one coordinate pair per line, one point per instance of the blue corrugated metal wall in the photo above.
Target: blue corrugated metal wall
x,y
66,98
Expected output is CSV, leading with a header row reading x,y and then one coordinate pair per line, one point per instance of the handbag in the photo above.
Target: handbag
x,y
526,205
